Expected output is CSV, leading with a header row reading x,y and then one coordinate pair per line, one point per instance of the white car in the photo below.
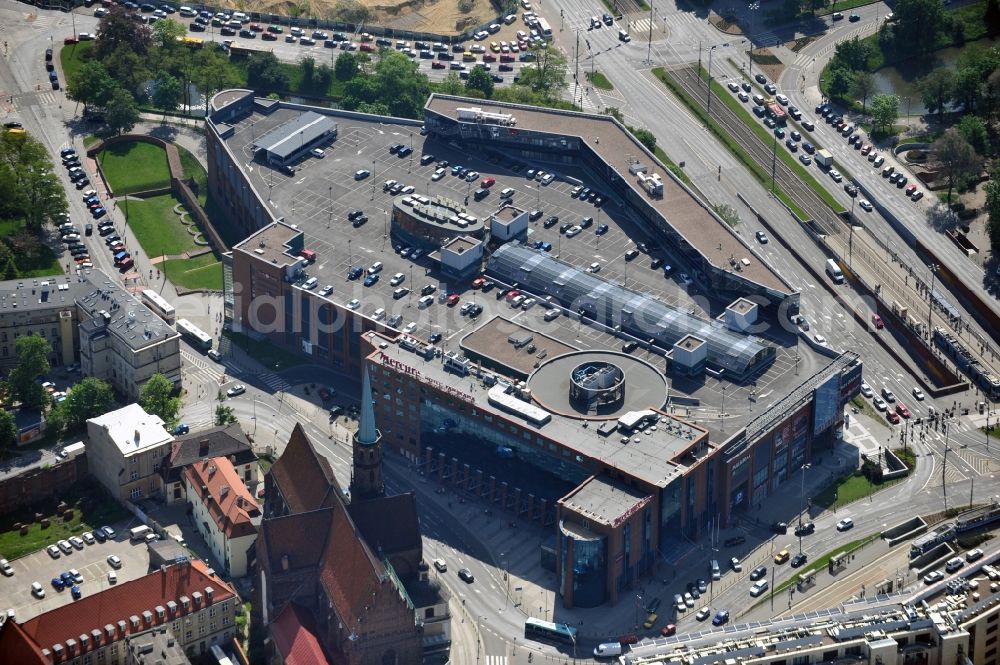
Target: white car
x,y
918,394
37,590
65,546
805,159
397,279
114,561
845,524
112,577
688,600
820,339
703,613
5,568
438,175
75,574
759,587
410,327
238,389
317,152
735,564
76,542
547,178
594,267
573,231
835,174
354,304
866,390
53,551
865,205
879,403
379,314
214,355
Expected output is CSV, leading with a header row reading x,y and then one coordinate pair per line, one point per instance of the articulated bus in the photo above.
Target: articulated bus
x,y
159,306
536,629
195,335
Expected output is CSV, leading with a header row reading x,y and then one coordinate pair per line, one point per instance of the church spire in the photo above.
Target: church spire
x,y
367,434
366,479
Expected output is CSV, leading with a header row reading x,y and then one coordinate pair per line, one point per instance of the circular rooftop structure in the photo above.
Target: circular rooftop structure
x,y
433,219
598,385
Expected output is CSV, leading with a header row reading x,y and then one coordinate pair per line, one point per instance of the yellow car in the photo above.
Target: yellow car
x,y
494,47
782,556
468,57
650,621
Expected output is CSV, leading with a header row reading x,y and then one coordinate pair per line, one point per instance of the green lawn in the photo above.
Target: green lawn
x,y
73,56
848,489
90,140
157,226
134,167
200,272
265,353
92,508
599,81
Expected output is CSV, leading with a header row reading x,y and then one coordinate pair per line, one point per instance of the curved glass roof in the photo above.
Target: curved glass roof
x,y
639,315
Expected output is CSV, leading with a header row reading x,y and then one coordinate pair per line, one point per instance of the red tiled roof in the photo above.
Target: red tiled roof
x,y
304,476
219,487
120,602
295,637
301,537
17,648
351,575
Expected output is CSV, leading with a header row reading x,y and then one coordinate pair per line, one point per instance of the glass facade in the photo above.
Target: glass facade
x,y
587,558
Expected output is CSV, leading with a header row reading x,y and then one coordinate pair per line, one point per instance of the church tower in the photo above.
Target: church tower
x,y
366,479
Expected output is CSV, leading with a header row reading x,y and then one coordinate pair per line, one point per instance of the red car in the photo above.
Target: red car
x,y
477,283
489,57
488,181
437,65
269,37
893,417
453,299
668,630
878,322
902,410
867,149
631,638
910,189
513,293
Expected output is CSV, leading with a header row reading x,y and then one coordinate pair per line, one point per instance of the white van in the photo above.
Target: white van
x,y
623,36
608,650
425,301
139,532
310,283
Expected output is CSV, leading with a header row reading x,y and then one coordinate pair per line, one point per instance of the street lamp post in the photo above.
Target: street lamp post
x,y
711,51
802,498
850,239
774,161
752,8
930,296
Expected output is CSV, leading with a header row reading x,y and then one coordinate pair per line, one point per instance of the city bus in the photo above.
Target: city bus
x,y
536,629
193,42
195,335
159,306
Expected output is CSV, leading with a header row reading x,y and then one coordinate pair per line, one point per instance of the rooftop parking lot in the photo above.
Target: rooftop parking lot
x,y
91,562
321,194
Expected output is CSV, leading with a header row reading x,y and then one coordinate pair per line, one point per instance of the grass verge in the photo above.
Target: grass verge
x,y
824,560
790,160
157,226
599,81
90,140
199,272
91,505
134,166
755,168
676,170
265,353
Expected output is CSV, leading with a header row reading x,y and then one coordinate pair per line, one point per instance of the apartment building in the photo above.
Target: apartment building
x,y
127,448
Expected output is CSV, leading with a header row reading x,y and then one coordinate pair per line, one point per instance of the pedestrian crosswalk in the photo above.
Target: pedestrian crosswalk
x,y
274,382
496,660
641,27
